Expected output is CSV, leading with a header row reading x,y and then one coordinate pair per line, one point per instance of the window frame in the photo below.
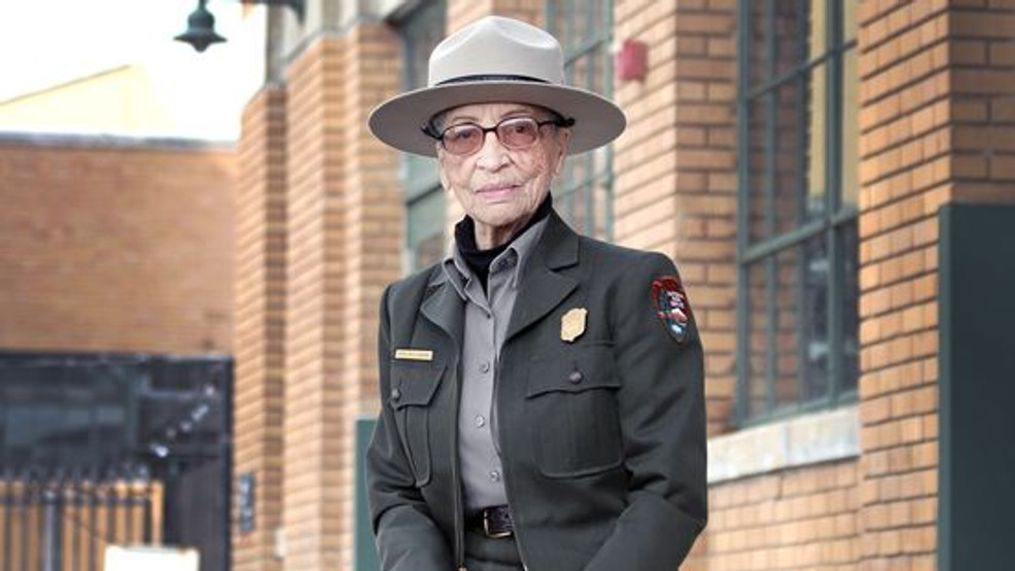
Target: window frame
x,y
567,189
420,181
831,225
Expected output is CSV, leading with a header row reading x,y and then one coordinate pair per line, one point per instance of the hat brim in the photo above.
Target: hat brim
x,y
399,121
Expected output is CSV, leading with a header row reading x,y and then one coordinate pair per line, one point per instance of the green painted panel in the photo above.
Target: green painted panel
x,y
366,551
977,387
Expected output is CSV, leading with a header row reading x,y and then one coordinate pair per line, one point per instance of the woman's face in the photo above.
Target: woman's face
x,y
500,187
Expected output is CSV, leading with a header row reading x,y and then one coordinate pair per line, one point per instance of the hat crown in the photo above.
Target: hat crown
x,y
497,46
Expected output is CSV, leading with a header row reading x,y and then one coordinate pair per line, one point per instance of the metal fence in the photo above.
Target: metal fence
x,y
125,449
52,521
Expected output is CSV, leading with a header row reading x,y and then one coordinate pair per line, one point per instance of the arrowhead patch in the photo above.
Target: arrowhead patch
x,y
671,306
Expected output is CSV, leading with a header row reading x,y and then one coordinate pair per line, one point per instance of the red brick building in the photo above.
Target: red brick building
x,y
792,157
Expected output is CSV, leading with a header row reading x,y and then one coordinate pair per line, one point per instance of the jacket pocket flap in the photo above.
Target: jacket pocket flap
x,y
572,371
414,384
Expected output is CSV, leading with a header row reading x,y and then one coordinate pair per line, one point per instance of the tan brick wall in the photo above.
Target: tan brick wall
x,y
936,86
675,166
373,238
345,243
115,247
313,447
804,518
260,323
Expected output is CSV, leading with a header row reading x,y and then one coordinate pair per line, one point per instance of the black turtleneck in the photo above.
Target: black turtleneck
x,y
479,260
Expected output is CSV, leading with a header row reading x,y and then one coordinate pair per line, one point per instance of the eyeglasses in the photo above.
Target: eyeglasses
x,y
515,133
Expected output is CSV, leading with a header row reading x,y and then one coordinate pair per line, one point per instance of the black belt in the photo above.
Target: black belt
x,y
493,522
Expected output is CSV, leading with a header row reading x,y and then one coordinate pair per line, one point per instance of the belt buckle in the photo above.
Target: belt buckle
x,y
486,528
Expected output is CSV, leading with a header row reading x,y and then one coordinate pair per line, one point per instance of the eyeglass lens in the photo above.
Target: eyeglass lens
x,y
514,133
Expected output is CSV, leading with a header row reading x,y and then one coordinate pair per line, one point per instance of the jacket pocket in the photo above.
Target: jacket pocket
x,y
572,396
413,388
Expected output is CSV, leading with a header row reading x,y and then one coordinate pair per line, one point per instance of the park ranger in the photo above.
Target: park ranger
x,y
541,391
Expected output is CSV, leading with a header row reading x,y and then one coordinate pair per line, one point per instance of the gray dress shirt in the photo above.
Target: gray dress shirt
x,y
487,315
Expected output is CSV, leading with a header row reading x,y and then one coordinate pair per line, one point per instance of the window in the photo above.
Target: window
x,y
797,240
421,30
583,194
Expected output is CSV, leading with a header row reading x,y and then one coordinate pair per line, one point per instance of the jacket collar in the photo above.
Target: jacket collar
x,y
541,287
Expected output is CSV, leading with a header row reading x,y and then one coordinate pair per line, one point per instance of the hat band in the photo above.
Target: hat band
x,y
468,78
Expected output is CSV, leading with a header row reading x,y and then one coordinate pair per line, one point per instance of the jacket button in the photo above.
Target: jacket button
x,y
396,394
575,377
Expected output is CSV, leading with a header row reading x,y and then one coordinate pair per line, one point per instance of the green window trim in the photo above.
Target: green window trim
x,y
425,204
583,195
823,225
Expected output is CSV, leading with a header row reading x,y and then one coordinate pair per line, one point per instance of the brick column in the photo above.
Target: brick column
x,y
936,89
674,167
345,242
259,333
313,492
372,243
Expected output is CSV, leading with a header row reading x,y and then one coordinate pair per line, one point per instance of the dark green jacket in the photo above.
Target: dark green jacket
x,y
603,473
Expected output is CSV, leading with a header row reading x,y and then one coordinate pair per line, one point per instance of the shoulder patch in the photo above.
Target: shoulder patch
x,y
671,306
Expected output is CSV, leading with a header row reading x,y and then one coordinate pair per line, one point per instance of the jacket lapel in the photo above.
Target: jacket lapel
x,y
541,288
445,308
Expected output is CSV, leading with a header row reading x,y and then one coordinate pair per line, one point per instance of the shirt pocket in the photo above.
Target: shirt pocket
x,y
572,399
413,386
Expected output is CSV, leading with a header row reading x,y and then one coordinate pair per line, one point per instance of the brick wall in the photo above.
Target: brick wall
x,y
260,323
373,240
115,245
674,167
936,86
314,309
344,245
804,518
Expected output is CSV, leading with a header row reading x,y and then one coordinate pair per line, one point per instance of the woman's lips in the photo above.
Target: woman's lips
x,y
495,192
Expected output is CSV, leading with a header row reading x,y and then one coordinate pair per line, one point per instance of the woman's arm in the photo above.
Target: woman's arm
x,y
407,537
662,413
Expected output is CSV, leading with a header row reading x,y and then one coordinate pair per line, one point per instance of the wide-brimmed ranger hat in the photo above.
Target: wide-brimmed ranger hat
x,y
496,60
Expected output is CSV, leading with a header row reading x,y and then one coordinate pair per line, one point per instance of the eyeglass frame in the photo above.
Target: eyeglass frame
x,y
430,131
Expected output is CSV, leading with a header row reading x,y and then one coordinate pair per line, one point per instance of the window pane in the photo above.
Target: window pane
x,y
793,155
848,245
849,19
816,108
850,134
816,29
788,331
758,49
576,24
582,195
421,31
425,233
760,167
760,320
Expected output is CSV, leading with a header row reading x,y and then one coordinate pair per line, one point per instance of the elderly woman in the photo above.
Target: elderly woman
x,y
542,399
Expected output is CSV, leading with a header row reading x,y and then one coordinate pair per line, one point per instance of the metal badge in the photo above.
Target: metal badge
x,y
572,324
414,354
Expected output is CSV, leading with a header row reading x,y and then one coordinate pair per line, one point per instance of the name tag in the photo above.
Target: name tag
x,y
414,354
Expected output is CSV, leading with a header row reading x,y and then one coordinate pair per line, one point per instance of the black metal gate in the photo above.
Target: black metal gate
x,y
101,449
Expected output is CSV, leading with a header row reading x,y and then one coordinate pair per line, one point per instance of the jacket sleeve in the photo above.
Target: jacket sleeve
x,y
407,537
662,413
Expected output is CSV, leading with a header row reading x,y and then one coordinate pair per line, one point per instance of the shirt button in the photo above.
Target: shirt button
x,y
484,367
494,476
480,421
575,377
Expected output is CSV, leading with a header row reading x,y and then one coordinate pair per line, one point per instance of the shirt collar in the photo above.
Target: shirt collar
x,y
518,252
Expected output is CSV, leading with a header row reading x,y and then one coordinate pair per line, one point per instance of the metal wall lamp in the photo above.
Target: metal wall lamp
x,y
201,23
